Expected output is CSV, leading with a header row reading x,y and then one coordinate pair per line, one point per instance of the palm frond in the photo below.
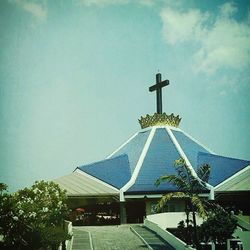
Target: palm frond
x,y
180,162
176,180
197,185
200,205
203,172
183,170
165,198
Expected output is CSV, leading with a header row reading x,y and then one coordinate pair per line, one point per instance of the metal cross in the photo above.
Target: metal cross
x,y
158,86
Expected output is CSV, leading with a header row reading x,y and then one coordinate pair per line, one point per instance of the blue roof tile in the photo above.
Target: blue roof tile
x,y
221,167
159,161
190,147
134,148
114,171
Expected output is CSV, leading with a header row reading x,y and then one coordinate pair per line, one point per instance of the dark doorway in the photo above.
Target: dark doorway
x,y
136,211
236,202
96,214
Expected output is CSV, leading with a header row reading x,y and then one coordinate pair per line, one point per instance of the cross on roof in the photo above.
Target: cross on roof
x,y
157,87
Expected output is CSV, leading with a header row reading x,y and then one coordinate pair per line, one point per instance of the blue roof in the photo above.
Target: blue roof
x,y
134,148
114,171
190,148
159,161
221,167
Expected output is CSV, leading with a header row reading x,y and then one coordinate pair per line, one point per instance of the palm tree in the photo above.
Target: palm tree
x,y
189,187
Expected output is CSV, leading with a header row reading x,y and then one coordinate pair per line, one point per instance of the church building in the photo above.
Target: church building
x,y
121,188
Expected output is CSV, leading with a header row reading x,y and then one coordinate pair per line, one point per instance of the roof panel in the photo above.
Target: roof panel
x,y
221,167
114,171
134,148
190,147
78,184
158,161
240,182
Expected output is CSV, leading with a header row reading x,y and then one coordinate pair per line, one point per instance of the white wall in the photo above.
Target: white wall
x,y
171,206
171,219
170,238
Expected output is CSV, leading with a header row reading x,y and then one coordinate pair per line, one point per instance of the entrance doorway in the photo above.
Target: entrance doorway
x,y
136,211
96,214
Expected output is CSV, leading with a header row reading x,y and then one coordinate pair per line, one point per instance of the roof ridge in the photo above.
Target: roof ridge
x,y
197,141
95,178
104,160
139,163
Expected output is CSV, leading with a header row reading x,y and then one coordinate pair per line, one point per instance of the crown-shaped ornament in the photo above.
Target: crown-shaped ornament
x,y
159,119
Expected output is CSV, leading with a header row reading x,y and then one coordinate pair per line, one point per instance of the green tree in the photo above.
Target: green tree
x,y
28,212
189,187
3,188
218,227
5,207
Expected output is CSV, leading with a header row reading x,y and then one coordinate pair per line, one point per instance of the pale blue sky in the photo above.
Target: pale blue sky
x,y
74,78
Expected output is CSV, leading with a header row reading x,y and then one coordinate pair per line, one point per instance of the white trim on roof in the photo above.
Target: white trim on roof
x,y
151,196
232,177
139,164
141,131
161,126
180,151
183,155
96,179
143,196
122,145
190,137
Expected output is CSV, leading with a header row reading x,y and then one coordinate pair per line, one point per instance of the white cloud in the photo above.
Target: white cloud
x,y
226,44
37,9
228,9
181,26
222,41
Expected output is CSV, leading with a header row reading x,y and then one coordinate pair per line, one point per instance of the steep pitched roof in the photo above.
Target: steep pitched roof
x,y
237,183
135,166
80,184
114,171
222,167
167,145
158,161
150,154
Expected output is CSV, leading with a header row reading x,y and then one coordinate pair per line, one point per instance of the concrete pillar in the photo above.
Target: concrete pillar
x,y
123,214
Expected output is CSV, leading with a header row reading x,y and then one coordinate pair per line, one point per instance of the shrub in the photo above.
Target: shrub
x,y
31,211
218,227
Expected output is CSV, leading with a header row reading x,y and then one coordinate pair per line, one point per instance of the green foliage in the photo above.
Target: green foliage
x,y
53,236
186,233
26,213
3,187
218,227
167,197
188,185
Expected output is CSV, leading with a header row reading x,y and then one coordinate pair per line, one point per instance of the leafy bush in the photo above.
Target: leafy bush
x,y
53,236
218,227
29,212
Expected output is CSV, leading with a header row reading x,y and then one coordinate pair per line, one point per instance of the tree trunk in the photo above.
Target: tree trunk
x,y
187,235
63,245
187,205
196,242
